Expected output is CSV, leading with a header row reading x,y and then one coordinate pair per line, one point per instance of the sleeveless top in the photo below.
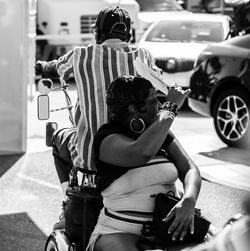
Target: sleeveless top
x,y
130,188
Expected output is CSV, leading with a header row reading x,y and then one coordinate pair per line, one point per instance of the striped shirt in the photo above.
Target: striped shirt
x,y
94,68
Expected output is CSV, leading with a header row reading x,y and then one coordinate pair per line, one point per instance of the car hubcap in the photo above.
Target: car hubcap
x,y
232,117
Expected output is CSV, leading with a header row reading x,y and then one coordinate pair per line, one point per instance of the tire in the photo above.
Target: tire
x,y
58,241
51,245
231,115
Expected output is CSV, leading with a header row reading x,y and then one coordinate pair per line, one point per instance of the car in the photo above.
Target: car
x,y
152,11
220,88
177,40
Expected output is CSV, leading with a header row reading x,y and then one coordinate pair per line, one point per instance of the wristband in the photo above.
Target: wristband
x,y
172,107
166,114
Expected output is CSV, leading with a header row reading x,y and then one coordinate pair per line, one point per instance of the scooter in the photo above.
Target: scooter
x,y
84,200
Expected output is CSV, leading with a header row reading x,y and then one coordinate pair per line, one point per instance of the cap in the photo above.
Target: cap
x,y
113,21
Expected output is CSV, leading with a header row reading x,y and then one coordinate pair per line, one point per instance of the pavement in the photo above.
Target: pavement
x,y
228,173
216,161
31,196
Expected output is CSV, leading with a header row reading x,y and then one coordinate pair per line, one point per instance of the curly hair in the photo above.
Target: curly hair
x,y
124,91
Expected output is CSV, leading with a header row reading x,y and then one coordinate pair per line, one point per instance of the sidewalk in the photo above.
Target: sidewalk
x,y
224,173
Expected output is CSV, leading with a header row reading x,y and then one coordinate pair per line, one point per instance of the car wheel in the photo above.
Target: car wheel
x,y
231,116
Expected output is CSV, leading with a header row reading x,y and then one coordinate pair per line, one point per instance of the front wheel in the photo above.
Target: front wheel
x,y
58,241
231,116
52,245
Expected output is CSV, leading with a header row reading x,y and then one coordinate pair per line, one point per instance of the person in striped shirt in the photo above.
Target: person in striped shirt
x,y
94,67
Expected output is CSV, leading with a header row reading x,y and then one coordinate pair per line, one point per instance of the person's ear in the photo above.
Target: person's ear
x,y
132,109
136,112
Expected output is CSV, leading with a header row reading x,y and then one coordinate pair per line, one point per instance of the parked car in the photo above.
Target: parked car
x,y
152,11
220,87
177,40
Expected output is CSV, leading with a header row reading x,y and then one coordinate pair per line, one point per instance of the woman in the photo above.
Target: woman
x,y
137,156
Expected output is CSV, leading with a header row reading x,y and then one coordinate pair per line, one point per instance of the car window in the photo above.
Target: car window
x,y
186,31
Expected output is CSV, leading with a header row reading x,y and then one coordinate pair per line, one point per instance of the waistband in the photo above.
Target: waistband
x,y
138,219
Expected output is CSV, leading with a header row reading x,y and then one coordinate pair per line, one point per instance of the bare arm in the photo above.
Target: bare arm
x,y
189,174
47,69
120,150
56,68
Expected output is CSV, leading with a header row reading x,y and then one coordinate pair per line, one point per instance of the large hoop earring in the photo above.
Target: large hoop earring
x,y
137,125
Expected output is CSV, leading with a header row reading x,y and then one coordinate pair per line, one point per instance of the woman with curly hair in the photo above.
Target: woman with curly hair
x,y
137,156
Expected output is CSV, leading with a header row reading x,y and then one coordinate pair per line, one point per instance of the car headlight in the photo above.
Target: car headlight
x,y
171,64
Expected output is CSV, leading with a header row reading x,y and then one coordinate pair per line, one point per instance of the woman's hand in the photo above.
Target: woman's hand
x,y
177,95
183,215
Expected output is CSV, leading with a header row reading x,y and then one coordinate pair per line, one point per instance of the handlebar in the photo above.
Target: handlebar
x,y
45,85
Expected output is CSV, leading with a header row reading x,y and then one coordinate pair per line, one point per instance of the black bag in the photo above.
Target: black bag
x,y
163,204
81,213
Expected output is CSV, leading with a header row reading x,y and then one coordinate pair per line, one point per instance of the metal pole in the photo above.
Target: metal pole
x,y
222,7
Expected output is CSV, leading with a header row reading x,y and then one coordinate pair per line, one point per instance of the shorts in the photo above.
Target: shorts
x,y
115,222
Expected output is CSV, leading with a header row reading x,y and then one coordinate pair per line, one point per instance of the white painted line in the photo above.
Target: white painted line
x,y
38,181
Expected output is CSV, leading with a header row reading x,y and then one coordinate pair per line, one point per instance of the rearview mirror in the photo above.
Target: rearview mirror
x,y
43,107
